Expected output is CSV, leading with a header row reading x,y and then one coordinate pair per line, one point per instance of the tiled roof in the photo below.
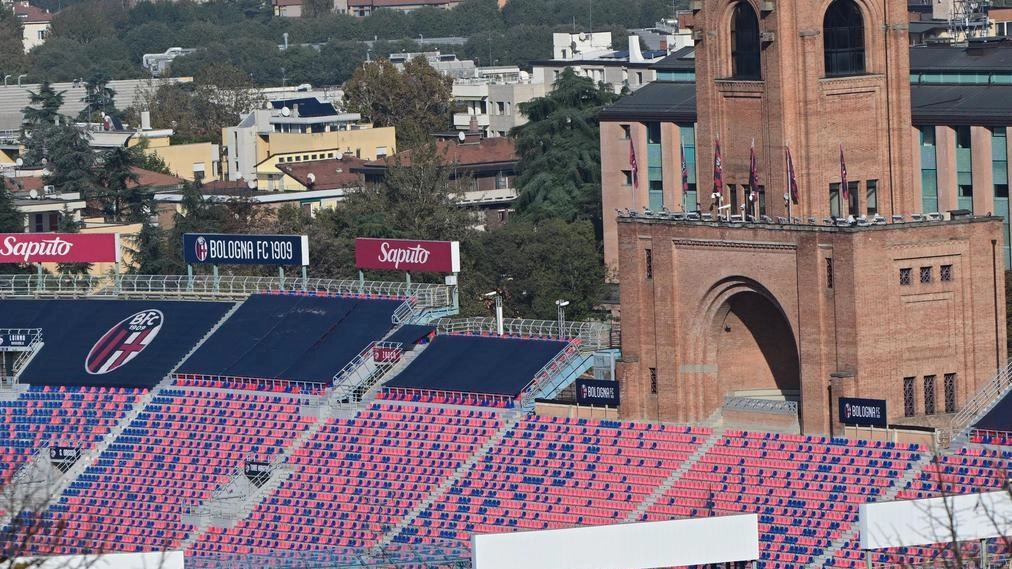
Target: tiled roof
x,y
31,14
487,151
327,174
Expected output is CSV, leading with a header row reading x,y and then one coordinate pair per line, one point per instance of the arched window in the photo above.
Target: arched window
x,y
745,43
843,39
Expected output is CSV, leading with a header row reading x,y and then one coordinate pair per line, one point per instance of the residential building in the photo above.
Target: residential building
x,y
490,100
486,166
363,8
445,63
34,22
591,55
298,130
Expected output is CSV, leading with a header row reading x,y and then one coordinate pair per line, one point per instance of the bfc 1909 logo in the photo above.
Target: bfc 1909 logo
x,y
200,249
124,342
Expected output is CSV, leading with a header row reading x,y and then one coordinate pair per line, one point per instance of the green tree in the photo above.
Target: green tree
x,y
416,101
148,251
68,224
533,265
12,50
11,218
43,107
68,158
99,98
120,194
560,157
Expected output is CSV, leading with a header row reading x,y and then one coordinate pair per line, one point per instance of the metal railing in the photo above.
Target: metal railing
x,y
357,376
593,335
547,372
241,383
981,401
777,406
203,286
405,312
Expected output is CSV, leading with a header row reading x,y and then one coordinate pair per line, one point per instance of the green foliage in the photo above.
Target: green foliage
x,y
416,100
69,158
148,250
70,225
98,98
560,157
43,107
11,218
533,265
12,50
119,192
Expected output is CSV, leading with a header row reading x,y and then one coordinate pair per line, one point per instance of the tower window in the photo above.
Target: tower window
x,y
745,43
843,39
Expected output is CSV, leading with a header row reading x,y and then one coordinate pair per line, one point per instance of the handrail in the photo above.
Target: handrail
x,y
353,368
981,400
778,406
594,335
404,312
547,371
204,286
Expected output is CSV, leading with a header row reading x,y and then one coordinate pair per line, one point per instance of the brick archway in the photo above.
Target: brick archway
x,y
746,336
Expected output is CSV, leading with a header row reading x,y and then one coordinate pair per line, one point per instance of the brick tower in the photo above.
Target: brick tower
x,y
814,76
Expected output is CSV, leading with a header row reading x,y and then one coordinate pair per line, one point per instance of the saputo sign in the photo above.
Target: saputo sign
x,y
59,248
407,255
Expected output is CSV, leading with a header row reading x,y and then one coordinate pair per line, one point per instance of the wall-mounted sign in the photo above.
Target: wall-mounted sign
x,y
863,412
59,248
231,249
407,255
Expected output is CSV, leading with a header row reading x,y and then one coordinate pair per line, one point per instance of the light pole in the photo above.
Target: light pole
x,y
561,305
498,310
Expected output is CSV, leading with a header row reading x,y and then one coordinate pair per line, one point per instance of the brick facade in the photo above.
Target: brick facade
x,y
748,309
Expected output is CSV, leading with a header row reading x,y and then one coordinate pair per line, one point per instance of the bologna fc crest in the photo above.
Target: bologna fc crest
x,y
123,342
200,249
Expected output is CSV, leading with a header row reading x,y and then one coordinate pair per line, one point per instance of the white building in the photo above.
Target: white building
x,y
490,100
591,55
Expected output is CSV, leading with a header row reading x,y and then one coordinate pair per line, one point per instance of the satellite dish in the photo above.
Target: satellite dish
x,y
311,178
33,194
285,111
19,162
461,136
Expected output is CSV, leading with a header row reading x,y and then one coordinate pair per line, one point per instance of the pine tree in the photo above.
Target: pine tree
x,y
70,225
43,107
11,218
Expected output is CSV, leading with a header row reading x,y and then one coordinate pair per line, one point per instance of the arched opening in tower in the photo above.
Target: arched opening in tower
x,y
757,355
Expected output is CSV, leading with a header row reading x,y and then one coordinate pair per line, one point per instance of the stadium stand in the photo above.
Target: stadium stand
x,y
74,417
185,444
295,337
72,328
551,472
473,369
357,477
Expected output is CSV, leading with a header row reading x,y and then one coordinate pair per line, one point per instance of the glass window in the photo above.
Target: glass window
x,y
905,276
628,177
871,197
945,273
843,39
834,199
626,132
950,392
929,394
908,397
653,133
745,50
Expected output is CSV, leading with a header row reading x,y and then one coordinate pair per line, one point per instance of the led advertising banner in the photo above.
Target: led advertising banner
x,y
407,255
863,412
597,392
231,249
59,248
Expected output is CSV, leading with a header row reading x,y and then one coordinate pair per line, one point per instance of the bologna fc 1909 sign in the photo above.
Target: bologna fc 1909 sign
x,y
123,342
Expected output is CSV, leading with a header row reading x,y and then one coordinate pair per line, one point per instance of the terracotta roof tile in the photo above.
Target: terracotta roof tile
x,y
32,14
327,174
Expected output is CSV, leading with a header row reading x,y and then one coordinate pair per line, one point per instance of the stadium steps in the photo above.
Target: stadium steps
x,y
982,402
89,457
510,420
565,377
369,396
851,534
641,510
35,348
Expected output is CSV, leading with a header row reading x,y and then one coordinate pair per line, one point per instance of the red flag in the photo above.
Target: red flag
x,y
753,174
718,172
685,172
844,187
792,179
633,165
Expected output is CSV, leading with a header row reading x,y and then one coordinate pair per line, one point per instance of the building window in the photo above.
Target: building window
x,y
834,199
649,264
745,50
950,392
829,272
501,182
945,273
908,397
626,132
843,39
929,174
964,168
653,133
905,276
925,275
653,381
627,174
655,195
871,197
929,395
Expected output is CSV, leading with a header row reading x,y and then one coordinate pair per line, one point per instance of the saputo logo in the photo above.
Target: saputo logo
x,y
416,255
14,247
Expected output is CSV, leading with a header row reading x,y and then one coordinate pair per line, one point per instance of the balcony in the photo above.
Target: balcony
x,y
463,120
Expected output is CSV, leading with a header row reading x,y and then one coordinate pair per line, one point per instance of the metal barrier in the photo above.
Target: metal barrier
x,y
593,335
209,286
777,406
547,371
273,385
357,376
421,395
982,400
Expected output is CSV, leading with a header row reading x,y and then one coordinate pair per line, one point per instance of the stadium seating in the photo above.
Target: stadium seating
x,y
65,416
551,472
356,478
806,490
185,444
